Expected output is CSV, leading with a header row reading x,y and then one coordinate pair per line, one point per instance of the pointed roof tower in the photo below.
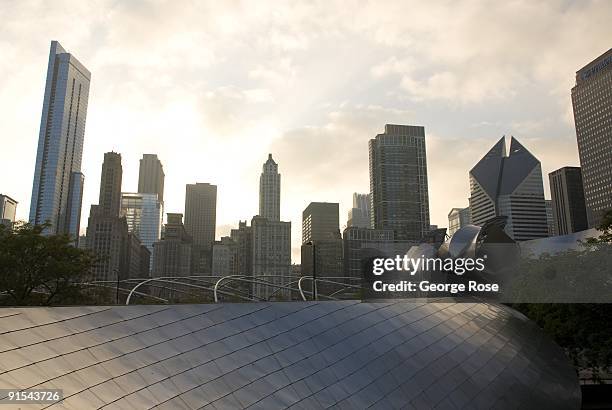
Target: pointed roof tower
x,y
488,170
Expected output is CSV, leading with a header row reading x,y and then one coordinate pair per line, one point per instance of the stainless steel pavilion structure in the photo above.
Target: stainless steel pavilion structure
x,y
300,355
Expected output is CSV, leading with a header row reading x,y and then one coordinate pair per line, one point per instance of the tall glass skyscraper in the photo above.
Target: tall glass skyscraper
x,y
57,190
398,181
143,213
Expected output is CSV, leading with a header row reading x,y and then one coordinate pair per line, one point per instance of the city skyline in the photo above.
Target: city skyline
x,y
328,132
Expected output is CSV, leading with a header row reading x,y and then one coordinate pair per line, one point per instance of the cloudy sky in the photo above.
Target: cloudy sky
x,y
213,87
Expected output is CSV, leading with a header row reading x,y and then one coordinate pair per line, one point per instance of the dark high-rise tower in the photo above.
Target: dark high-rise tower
x,y
567,195
151,176
57,190
201,213
172,254
269,191
320,221
201,222
398,181
110,184
321,249
592,103
511,186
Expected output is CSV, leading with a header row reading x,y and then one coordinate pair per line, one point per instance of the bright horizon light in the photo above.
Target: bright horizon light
x,y
212,88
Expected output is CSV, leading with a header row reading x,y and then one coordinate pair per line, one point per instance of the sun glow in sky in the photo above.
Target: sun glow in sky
x,y
213,87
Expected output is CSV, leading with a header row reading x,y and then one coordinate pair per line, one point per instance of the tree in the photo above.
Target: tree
x,y
583,329
41,270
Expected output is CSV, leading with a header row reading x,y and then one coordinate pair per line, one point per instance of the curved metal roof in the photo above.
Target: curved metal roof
x,y
276,355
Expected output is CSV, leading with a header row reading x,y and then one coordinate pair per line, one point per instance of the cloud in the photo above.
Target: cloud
x,y
478,51
212,87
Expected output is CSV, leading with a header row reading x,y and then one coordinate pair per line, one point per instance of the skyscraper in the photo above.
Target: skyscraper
x,y
143,214
592,103
321,249
269,190
511,186
320,220
106,232
57,189
151,176
8,208
243,237
457,219
110,184
271,256
550,219
120,255
201,213
200,223
398,181
567,196
270,237
224,257
360,215
172,254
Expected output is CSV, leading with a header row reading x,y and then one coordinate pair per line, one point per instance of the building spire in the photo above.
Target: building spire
x,y
269,190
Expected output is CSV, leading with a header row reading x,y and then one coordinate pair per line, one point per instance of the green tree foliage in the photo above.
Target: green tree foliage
x,y
573,276
41,270
583,330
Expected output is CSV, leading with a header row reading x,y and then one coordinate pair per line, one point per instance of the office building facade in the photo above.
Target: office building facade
x,y
151,176
106,231
143,214
398,181
321,250
271,257
592,102
57,189
243,238
359,215
269,190
567,196
137,257
172,254
320,220
550,219
201,222
224,257
362,244
106,237
510,186
8,210
457,219
323,260
110,184
120,253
